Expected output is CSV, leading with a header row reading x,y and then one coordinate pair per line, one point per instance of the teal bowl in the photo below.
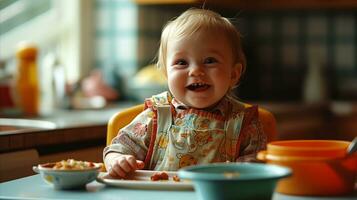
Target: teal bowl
x,y
238,181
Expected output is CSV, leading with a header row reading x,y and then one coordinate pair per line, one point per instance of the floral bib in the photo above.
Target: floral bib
x,y
192,136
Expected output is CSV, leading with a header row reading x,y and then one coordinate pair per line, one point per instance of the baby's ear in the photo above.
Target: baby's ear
x,y
236,73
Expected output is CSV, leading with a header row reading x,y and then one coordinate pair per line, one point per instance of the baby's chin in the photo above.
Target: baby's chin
x,y
198,102
201,105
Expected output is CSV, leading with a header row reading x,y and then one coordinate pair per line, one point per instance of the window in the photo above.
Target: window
x,y
62,27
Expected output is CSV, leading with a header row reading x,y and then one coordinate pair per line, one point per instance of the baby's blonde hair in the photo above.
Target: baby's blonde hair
x,y
193,20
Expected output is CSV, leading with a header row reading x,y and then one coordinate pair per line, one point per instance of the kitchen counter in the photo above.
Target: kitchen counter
x,y
71,126
294,121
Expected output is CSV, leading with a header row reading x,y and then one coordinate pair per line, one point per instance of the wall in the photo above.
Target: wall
x,y
280,46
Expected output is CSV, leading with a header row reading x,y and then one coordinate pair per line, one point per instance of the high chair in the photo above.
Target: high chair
x,y
124,117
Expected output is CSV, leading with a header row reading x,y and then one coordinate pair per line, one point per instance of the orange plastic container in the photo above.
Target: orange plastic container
x,y
320,167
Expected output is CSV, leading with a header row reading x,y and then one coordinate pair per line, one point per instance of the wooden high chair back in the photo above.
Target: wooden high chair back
x,y
124,117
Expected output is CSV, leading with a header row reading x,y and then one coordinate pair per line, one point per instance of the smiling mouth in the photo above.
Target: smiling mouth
x,y
197,87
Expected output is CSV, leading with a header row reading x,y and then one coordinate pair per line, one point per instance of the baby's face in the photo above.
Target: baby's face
x,y
200,68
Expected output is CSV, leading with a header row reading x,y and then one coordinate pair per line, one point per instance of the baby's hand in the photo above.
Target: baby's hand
x,y
121,165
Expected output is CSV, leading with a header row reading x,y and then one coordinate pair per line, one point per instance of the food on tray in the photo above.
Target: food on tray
x,y
176,178
157,176
141,179
70,164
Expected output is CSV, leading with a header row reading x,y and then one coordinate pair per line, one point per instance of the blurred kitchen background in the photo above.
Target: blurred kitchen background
x,y
97,55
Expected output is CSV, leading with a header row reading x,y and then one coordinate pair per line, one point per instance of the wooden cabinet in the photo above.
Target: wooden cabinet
x,y
320,121
300,121
19,164
157,2
261,4
19,152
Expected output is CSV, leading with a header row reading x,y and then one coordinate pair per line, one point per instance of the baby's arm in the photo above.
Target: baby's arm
x,y
128,149
119,165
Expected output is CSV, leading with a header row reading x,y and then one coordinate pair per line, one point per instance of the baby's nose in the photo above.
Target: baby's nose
x,y
196,70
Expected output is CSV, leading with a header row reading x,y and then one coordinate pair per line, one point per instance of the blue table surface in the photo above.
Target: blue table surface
x,y
33,187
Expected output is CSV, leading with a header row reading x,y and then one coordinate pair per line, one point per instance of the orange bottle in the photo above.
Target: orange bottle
x,y
27,85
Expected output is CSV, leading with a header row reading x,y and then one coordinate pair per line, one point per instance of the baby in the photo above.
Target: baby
x,y
198,120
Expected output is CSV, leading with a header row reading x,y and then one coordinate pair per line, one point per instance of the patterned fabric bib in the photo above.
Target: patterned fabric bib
x,y
192,136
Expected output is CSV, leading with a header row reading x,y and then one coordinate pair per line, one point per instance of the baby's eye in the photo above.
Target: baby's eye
x,y
210,60
180,62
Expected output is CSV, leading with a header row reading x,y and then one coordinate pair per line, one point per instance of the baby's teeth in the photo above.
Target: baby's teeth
x,y
198,84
